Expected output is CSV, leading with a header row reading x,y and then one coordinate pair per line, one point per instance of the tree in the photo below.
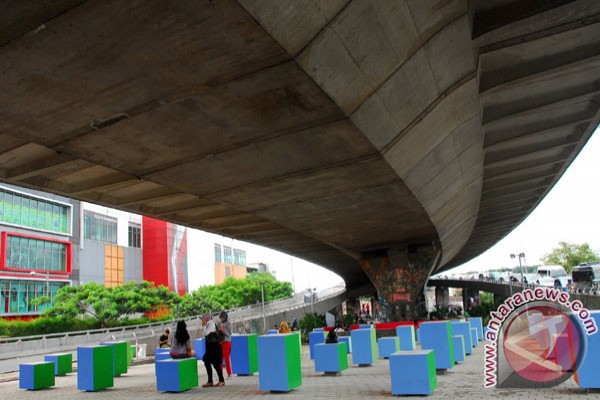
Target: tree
x,y
233,293
108,305
569,255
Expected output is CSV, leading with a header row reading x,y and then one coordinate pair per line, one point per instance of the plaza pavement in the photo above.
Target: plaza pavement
x,y
464,381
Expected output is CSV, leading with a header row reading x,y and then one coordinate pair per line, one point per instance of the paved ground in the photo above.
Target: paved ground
x,y
464,381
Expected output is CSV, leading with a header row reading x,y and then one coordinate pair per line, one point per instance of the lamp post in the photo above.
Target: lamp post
x,y
520,255
262,293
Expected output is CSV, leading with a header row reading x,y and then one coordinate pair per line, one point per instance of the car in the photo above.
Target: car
x,y
546,281
554,271
586,276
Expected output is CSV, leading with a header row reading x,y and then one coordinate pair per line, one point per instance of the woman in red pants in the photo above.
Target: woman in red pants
x,y
225,328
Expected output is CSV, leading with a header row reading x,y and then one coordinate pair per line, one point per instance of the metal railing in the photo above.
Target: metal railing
x,y
144,331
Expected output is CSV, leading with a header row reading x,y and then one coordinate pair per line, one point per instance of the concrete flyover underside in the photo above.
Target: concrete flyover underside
x,y
324,129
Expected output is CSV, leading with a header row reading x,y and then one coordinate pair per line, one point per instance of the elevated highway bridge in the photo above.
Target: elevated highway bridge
x,y
383,140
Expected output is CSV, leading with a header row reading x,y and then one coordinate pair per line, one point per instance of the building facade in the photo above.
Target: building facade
x,y
38,237
48,241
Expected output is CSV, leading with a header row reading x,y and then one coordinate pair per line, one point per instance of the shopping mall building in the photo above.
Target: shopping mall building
x,y
48,241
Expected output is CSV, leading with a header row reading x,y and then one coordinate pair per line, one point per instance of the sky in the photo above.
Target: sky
x,y
570,212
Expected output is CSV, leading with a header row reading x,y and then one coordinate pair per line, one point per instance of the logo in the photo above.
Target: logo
x,y
536,339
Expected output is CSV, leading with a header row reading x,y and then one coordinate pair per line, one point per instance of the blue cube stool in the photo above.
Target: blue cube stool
x,y
272,332
464,329
177,375
244,354
318,330
63,363
314,338
406,334
199,348
474,340
331,357
348,341
36,375
437,336
387,346
366,326
95,368
413,372
588,373
279,366
162,355
477,323
364,347
459,348
418,333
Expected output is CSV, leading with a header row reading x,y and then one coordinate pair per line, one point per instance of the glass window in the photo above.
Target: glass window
x,y
227,271
227,256
239,257
35,254
29,211
218,255
99,227
16,296
135,236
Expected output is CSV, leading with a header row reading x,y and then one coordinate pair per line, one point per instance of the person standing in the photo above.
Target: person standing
x,y
225,328
213,356
284,327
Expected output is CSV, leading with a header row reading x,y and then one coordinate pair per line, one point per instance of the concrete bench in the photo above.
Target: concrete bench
x,y
406,334
331,357
36,375
437,336
464,329
63,363
244,354
177,375
588,372
348,341
279,366
413,372
93,368
314,338
364,347
121,356
387,346
459,348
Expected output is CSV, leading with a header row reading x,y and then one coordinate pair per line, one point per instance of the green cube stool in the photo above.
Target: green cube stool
x,y
121,356
63,363
279,365
176,375
94,370
36,375
132,349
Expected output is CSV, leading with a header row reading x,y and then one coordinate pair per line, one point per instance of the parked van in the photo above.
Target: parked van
x,y
553,271
586,276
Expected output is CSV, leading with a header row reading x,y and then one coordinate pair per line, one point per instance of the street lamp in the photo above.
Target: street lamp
x,y
47,275
520,255
262,293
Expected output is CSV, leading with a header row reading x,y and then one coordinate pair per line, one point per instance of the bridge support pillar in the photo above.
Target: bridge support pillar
x,y
399,277
470,299
442,296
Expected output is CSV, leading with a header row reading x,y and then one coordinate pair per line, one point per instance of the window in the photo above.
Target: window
x,y
35,254
99,227
33,212
227,257
16,296
218,255
135,236
227,271
239,257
